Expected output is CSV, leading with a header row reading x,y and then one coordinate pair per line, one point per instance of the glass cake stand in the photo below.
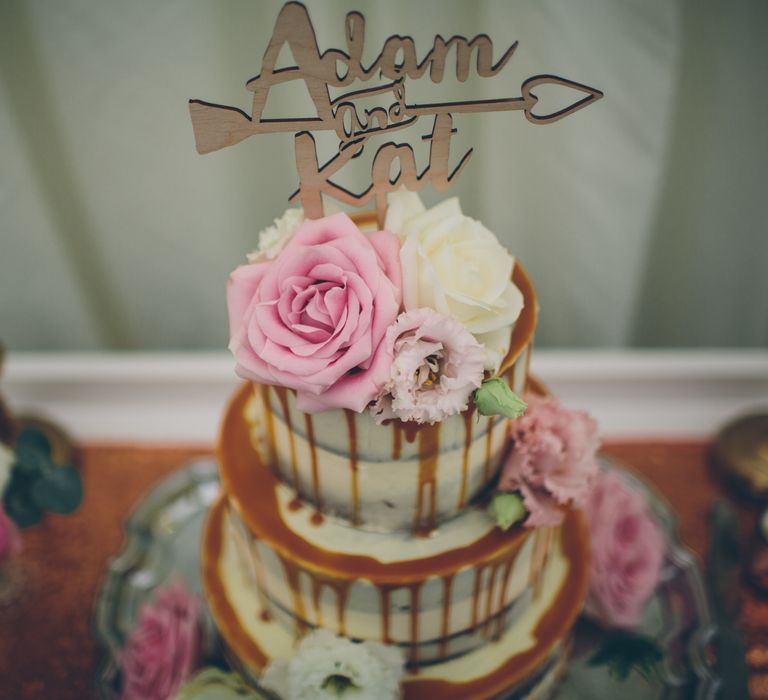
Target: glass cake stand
x,y
163,542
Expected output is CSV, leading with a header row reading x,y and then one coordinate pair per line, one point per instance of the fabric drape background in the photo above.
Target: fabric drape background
x,y
642,219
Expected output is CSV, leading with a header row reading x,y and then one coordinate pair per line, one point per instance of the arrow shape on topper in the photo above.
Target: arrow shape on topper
x,y
530,99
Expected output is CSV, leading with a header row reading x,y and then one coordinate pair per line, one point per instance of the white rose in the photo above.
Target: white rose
x,y
453,264
273,238
402,206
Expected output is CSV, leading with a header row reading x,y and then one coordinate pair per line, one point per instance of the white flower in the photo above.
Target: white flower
x,y
453,264
327,667
437,365
273,238
7,458
402,206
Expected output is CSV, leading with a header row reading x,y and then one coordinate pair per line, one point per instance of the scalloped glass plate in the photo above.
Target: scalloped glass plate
x,y
163,542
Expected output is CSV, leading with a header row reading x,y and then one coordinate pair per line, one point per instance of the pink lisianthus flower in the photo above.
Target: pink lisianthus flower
x,y
628,549
437,365
163,648
314,318
552,460
10,539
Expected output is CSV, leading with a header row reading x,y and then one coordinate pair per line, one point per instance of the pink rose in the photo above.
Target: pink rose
x,y
163,648
314,319
627,552
10,539
552,461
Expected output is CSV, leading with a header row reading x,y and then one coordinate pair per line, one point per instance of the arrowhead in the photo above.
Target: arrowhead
x,y
592,95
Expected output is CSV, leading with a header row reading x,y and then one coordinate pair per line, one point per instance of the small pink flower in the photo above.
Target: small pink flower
x,y
314,318
437,365
163,648
627,552
10,539
552,460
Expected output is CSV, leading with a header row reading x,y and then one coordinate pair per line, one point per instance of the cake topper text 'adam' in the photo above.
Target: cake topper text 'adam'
x,y
217,126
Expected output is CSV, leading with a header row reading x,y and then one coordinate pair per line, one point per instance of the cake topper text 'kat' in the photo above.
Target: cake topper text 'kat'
x,y
217,126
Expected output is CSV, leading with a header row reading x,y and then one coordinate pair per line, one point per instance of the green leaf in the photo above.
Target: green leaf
x,y
623,652
58,490
506,509
18,502
33,451
495,398
34,439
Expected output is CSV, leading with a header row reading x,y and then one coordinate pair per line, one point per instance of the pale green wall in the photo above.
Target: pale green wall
x,y
641,219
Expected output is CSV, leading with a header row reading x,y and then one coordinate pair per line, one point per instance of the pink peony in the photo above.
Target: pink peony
x,y
163,648
10,539
437,365
552,460
627,552
314,319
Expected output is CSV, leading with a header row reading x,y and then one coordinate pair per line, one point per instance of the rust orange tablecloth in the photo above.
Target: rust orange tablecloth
x,y
47,648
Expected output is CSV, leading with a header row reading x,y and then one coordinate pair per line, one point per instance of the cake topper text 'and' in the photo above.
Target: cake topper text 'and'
x,y
218,126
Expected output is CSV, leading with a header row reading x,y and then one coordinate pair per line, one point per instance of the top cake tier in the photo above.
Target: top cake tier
x,y
395,476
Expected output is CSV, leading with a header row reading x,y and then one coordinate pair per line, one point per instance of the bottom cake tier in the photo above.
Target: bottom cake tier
x,y
522,662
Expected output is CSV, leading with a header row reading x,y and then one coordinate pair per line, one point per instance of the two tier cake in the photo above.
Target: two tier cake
x,y
355,499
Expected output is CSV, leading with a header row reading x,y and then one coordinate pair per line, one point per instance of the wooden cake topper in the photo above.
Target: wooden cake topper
x,y
218,126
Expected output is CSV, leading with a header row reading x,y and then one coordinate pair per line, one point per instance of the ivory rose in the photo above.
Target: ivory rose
x,y
453,264
273,238
314,318
627,552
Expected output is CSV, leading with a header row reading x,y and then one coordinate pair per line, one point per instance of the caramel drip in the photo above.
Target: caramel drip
x,y
539,553
317,589
282,395
352,429
397,440
468,424
445,626
411,429
488,447
502,607
317,518
525,326
252,489
295,504
549,535
269,422
299,611
341,589
489,598
551,628
429,445
527,370
258,570
385,592
476,596
413,655
342,594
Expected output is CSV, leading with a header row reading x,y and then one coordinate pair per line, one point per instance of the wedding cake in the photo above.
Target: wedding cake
x,y
360,459
395,488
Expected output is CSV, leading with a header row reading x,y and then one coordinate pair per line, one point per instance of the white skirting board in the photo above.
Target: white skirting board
x,y
174,397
